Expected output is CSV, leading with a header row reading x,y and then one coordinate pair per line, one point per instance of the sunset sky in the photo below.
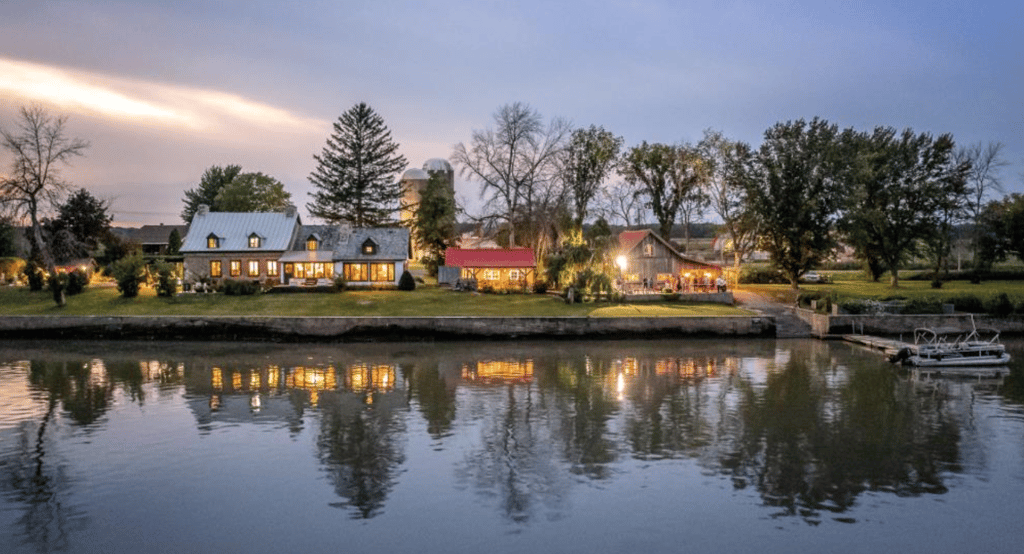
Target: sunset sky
x,y
162,90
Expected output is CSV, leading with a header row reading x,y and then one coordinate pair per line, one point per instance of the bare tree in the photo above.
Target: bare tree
x,y
516,163
39,149
731,170
621,201
986,162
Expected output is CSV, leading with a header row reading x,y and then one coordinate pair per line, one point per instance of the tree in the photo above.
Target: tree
x,y
985,161
898,188
39,149
732,169
796,195
355,173
516,164
622,201
1001,229
213,180
433,226
588,160
174,243
667,176
82,223
8,239
252,192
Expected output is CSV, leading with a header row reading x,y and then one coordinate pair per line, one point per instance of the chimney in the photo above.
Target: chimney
x,y
290,210
202,210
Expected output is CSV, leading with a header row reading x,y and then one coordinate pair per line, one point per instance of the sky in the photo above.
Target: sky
x,y
163,90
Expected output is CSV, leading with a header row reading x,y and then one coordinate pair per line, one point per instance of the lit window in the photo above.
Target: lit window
x,y
648,249
254,268
254,241
356,272
492,274
369,247
272,268
311,243
212,241
236,268
382,272
215,269
513,275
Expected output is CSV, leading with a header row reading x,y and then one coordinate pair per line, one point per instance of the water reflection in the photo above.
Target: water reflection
x,y
807,425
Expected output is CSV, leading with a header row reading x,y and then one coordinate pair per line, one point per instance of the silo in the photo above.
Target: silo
x,y
413,182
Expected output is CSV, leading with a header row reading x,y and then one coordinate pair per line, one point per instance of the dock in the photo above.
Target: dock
x,y
888,346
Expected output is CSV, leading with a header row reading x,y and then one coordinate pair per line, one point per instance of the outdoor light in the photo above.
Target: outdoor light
x,y
621,262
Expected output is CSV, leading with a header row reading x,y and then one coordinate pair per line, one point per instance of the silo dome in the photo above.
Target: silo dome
x,y
437,164
413,174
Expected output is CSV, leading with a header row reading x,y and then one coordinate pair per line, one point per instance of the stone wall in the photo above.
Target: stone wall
x,y
889,324
374,328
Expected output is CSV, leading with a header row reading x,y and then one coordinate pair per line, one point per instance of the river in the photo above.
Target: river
x,y
743,445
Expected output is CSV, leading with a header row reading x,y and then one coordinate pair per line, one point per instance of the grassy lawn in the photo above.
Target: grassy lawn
x,y
855,285
425,301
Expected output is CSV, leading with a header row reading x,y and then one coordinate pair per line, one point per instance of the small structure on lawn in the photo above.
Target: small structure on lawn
x,y
495,268
648,262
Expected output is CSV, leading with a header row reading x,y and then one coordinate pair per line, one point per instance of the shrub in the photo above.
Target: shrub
x,y
77,280
340,284
11,267
967,303
58,283
35,275
240,287
406,282
540,286
922,306
130,273
166,280
999,305
761,276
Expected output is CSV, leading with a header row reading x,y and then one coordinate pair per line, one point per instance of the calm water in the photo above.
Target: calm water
x,y
651,446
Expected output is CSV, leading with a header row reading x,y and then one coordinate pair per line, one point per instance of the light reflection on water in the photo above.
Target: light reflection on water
x,y
565,446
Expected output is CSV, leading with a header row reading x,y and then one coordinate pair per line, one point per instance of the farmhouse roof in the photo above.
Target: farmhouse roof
x,y
489,257
234,228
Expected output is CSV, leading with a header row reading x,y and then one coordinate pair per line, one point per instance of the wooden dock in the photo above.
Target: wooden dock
x,y
888,346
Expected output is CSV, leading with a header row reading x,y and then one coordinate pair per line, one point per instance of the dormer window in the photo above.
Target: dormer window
x,y
369,247
312,242
213,241
255,241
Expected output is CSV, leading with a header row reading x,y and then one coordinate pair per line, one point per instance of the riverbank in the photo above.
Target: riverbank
x,y
340,329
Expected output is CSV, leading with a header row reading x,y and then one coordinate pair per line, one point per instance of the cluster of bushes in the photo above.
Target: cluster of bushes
x,y
974,276
240,287
762,276
822,300
999,305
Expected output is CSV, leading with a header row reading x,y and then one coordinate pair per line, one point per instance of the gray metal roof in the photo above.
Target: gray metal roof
x,y
415,175
234,228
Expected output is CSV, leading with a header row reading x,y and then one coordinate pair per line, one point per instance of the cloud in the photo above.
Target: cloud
x,y
194,110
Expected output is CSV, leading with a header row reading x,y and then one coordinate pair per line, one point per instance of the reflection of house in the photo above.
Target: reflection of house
x,y
498,268
645,256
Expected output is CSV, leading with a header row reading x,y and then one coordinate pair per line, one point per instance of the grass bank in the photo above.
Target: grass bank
x,y
854,285
424,301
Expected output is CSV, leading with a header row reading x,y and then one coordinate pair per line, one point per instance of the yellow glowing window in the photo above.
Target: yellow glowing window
x,y
254,268
492,274
236,268
215,269
212,241
272,268
382,272
254,241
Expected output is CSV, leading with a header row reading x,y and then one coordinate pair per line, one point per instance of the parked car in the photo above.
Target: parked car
x,y
811,277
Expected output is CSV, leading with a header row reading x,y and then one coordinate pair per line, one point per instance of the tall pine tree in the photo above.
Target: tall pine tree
x,y
355,173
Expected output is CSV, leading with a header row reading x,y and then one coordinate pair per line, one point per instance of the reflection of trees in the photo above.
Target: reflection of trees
x,y
435,396
809,447
586,444
672,413
516,461
33,475
361,449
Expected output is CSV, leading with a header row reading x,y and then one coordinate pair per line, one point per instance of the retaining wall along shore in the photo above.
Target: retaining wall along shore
x,y
823,325
299,329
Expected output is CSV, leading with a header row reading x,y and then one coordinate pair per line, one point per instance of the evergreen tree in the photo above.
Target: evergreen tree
x,y
82,222
355,173
434,222
214,179
174,243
